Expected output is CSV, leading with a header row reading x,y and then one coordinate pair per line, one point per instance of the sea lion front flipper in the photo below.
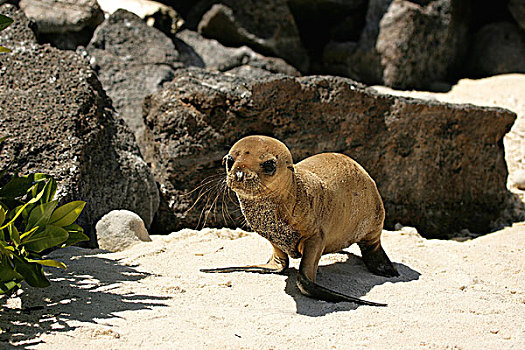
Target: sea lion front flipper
x,y
312,250
278,263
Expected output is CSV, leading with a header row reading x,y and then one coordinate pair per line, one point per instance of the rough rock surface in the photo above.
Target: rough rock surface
x,y
154,13
497,48
64,24
267,26
404,44
61,122
517,9
132,60
120,229
439,167
197,51
319,21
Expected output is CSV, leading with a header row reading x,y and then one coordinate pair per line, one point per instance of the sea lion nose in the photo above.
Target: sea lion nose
x,y
239,175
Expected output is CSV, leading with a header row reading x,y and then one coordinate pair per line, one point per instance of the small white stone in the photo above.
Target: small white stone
x,y
519,179
120,229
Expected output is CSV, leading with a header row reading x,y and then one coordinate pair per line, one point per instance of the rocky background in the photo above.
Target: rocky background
x,y
134,109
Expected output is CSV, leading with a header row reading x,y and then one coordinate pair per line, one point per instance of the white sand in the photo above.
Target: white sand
x,y
451,295
456,295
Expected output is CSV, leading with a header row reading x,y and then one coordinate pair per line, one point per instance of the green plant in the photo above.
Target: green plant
x,y
30,225
4,23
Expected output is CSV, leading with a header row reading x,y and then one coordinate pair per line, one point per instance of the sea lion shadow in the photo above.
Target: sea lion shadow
x,y
82,293
349,277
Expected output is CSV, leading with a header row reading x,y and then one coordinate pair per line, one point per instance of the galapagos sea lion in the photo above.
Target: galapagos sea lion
x,y
320,205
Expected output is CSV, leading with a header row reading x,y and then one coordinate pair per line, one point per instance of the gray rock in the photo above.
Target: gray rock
x,y
439,167
155,14
197,51
132,60
418,44
517,9
359,60
20,35
320,21
267,26
61,122
120,229
404,44
64,24
497,48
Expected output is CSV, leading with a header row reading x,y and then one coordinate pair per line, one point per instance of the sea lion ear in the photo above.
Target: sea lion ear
x,y
291,168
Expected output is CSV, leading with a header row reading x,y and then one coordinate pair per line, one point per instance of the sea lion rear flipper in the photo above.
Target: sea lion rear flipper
x,y
312,249
313,290
376,260
277,264
253,268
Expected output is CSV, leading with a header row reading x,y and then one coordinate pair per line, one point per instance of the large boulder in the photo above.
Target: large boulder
x,y
497,48
405,44
62,123
197,51
267,26
64,24
132,60
439,167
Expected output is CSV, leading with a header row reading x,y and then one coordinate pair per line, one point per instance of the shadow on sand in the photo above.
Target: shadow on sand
x,y
81,293
349,277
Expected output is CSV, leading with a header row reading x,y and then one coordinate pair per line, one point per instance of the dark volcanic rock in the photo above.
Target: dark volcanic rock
x,y
155,14
517,9
439,167
132,60
197,51
267,26
405,44
20,36
497,48
64,24
61,122
420,44
319,21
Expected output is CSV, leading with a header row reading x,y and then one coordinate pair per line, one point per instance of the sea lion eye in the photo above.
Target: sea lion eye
x,y
228,161
269,167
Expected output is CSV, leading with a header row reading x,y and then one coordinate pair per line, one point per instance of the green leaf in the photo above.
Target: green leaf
x,y
7,273
3,138
49,190
27,235
21,209
4,49
67,214
41,214
5,22
49,262
13,233
3,213
76,234
33,273
50,237
9,287
20,185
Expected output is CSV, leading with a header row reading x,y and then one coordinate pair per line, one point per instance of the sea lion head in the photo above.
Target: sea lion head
x,y
258,166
